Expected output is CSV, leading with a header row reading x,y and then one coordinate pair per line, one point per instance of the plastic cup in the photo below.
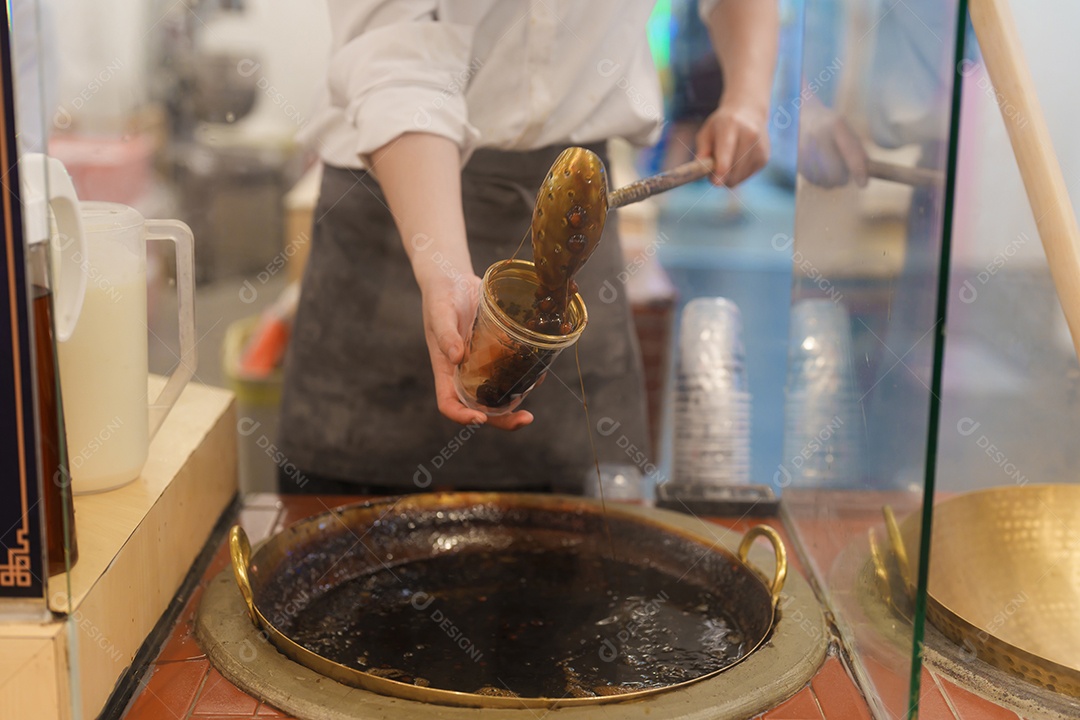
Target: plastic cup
x,y
504,360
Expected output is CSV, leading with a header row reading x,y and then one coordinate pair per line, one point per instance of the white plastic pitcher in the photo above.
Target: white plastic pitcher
x,y
103,366
48,193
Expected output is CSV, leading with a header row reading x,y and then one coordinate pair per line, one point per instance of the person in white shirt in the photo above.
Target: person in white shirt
x,y
440,119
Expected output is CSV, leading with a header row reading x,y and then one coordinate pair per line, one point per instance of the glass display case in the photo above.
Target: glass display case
x,y
912,453
921,356
1004,513
34,515
869,249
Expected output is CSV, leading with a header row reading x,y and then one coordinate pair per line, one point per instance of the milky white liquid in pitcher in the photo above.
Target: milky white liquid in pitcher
x,y
103,372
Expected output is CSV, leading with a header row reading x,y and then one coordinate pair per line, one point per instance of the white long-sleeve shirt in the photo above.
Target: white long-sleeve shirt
x,y
506,74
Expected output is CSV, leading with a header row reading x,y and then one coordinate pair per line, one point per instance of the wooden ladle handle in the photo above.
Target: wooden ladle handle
x,y
1046,190
696,169
655,184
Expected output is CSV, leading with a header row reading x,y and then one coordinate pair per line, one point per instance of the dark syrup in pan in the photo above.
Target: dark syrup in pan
x,y
534,624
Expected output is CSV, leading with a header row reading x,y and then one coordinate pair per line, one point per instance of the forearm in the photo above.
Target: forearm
x,y
745,34
420,175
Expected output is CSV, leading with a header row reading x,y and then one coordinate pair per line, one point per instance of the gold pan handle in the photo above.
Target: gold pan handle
x,y
896,540
240,552
778,547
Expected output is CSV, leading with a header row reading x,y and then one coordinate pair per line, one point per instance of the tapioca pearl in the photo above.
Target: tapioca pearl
x,y
549,326
576,216
488,395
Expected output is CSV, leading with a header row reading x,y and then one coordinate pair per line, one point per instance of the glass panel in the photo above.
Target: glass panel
x,y
23,570
1011,386
873,157
1011,382
714,242
52,291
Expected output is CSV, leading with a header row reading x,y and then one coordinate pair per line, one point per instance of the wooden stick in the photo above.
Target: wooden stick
x,y
697,169
655,184
903,174
1046,190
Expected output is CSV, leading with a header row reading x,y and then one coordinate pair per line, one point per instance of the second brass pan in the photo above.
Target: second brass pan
x,y
1005,579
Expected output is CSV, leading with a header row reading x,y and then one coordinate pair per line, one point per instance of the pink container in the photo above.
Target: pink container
x,y
111,169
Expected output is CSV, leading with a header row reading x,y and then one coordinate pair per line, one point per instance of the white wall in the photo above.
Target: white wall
x,y
101,59
103,53
293,39
993,212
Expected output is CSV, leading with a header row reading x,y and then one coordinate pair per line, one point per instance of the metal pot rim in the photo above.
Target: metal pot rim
x,y
241,556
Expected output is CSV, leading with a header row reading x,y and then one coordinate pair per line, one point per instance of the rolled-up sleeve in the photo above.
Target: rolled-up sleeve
x,y
399,69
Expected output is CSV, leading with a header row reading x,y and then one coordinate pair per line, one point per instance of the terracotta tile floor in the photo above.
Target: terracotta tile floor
x,y
804,706
181,685
967,706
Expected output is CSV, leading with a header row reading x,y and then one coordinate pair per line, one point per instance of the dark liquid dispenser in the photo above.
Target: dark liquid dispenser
x,y
59,512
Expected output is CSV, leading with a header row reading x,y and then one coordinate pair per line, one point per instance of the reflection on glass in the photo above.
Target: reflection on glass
x,y
55,286
1011,385
51,273
821,435
873,154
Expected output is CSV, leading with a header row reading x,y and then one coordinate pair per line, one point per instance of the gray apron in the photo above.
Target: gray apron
x,y
359,399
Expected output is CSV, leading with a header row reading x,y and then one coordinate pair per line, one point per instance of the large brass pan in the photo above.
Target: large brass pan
x,y
1005,579
311,557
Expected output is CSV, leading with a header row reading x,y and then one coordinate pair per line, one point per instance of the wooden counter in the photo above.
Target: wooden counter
x,y
136,545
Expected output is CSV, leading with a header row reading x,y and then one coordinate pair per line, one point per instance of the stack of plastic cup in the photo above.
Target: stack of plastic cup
x,y
712,401
822,418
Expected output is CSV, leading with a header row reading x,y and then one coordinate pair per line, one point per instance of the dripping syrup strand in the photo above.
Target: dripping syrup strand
x,y
596,458
521,244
